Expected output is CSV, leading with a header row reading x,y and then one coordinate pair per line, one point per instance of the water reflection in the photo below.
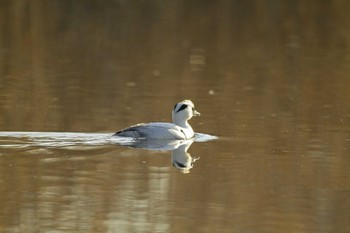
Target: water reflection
x,y
43,141
180,158
183,160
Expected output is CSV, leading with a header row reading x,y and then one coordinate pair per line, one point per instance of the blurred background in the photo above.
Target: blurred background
x,y
97,66
270,78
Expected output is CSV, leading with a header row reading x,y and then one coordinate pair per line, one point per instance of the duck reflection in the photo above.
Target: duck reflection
x,y
180,158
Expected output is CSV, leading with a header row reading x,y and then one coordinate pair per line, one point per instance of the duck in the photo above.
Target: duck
x,y
180,129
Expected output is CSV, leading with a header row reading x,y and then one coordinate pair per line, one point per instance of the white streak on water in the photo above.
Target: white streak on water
x,y
70,140
20,140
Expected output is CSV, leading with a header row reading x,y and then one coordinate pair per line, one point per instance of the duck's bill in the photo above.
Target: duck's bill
x,y
195,113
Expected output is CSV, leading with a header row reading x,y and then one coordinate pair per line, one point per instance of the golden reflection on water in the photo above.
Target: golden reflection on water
x,y
271,79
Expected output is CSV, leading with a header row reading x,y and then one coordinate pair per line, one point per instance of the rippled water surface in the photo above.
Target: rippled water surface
x,y
271,80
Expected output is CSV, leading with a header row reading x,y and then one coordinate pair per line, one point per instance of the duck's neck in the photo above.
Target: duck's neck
x,y
187,129
182,124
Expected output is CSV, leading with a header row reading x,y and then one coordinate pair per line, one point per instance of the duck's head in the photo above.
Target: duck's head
x,y
183,111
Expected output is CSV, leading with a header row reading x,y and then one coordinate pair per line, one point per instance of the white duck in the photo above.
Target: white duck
x,y
179,129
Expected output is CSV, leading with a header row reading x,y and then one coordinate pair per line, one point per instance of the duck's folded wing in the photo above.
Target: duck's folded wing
x,y
158,130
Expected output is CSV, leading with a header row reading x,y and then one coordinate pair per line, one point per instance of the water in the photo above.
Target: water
x,y
270,80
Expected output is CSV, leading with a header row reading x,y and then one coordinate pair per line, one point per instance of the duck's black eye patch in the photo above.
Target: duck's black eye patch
x,y
182,107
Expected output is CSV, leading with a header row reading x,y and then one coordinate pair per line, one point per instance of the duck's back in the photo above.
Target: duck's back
x,y
157,130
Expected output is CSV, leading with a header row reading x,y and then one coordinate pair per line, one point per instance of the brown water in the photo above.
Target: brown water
x,y
271,79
